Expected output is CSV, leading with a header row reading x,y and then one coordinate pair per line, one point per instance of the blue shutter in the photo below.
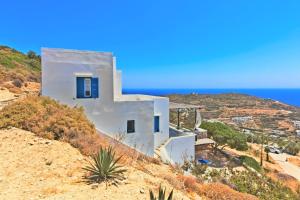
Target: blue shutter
x,y
95,88
156,123
80,87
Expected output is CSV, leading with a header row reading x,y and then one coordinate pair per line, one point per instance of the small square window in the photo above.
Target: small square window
x,y
130,126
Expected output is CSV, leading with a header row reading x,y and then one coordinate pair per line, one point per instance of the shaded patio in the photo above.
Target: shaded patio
x,y
177,130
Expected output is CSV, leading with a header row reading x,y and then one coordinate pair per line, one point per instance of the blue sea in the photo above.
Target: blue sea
x,y
288,96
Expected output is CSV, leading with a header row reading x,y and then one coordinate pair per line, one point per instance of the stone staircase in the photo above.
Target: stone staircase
x,y
157,151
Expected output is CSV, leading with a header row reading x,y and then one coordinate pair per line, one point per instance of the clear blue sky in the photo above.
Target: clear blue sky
x,y
169,44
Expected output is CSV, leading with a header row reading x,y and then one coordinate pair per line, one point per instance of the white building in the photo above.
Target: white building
x,y
298,133
90,79
239,120
297,124
278,132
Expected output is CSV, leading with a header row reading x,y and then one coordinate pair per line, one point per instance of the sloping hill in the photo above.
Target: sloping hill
x,y
16,68
266,113
34,167
37,168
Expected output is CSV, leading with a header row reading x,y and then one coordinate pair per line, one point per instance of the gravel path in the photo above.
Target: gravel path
x,y
288,168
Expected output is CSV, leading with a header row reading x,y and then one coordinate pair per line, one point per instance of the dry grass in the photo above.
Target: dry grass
x,y
286,180
190,182
12,88
218,191
47,118
174,181
294,160
213,191
51,191
26,175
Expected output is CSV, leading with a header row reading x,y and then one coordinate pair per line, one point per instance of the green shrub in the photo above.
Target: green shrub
x,y
31,54
104,167
292,148
251,162
225,135
161,194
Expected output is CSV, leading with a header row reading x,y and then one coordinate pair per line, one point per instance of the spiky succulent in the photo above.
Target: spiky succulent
x,y
104,167
161,194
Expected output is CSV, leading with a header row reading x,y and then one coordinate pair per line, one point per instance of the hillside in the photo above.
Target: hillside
x,y
36,168
18,69
266,114
69,127
44,146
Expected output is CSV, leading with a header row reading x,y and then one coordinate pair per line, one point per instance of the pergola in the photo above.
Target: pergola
x,y
180,106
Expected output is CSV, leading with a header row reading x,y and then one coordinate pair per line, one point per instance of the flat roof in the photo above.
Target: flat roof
x,y
174,105
204,141
138,97
74,50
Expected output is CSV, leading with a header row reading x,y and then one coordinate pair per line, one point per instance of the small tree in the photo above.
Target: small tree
x,y
224,136
292,148
17,82
31,54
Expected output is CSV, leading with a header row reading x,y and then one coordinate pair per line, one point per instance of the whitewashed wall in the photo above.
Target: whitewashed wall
x,y
161,107
177,149
59,70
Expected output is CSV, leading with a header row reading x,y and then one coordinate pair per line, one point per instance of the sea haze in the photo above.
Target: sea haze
x,y
288,96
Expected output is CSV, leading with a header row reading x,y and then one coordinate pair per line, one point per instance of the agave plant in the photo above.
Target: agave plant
x,y
161,194
105,168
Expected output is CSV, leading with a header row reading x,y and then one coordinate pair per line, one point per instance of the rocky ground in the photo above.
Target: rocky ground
x,y
37,168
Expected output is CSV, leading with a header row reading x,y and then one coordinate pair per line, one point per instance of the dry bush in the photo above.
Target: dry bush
x,y
218,191
17,82
47,118
286,180
173,180
213,191
190,182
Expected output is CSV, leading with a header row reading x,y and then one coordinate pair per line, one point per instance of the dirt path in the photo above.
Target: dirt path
x,y
287,167
6,97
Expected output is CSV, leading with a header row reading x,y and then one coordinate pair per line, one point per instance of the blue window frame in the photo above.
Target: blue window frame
x,y
87,87
156,124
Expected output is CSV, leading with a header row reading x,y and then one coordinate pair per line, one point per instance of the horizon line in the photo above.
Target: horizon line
x,y
275,88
